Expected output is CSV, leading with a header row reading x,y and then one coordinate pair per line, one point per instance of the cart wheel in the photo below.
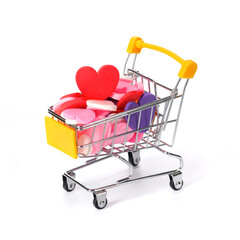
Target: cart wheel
x,y
100,200
176,182
134,157
68,185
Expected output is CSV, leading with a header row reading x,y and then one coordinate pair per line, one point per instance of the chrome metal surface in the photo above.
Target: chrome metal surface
x,y
134,61
166,100
125,64
131,170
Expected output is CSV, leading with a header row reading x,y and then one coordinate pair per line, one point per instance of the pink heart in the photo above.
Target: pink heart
x,y
78,116
121,128
124,87
85,136
57,106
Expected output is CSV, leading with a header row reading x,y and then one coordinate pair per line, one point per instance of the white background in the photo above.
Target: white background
x,y
42,45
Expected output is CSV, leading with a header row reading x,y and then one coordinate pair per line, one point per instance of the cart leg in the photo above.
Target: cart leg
x,y
100,199
134,157
68,184
176,182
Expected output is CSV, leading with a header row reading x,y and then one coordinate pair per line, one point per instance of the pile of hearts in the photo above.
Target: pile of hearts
x,y
104,94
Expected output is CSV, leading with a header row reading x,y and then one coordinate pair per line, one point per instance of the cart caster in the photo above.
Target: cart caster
x,y
134,157
100,199
176,182
68,184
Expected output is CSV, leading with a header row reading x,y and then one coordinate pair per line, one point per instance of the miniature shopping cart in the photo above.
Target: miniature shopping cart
x,y
165,109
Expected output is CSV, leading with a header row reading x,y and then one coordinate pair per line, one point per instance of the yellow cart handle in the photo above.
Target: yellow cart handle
x,y
188,67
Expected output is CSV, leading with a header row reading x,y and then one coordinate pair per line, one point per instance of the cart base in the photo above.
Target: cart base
x,y
100,193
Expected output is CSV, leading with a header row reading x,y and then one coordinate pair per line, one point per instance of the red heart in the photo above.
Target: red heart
x,y
79,102
130,96
77,94
97,85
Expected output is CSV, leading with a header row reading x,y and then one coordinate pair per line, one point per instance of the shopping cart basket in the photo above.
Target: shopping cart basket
x,y
64,136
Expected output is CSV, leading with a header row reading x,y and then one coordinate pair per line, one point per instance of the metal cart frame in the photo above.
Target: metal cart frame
x,y
153,137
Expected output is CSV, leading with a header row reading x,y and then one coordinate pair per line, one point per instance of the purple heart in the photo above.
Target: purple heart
x,y
146,120
133,118
146,116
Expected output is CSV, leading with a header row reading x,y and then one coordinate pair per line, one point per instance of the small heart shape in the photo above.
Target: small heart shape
x,y
130,96
78,116
119,129
92,135
117,96
133,118
57,108
146,116
102,105
124,87
79,102
97,85
77,94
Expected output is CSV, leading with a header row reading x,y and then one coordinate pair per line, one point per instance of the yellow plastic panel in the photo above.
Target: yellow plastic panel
x,y
61,137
